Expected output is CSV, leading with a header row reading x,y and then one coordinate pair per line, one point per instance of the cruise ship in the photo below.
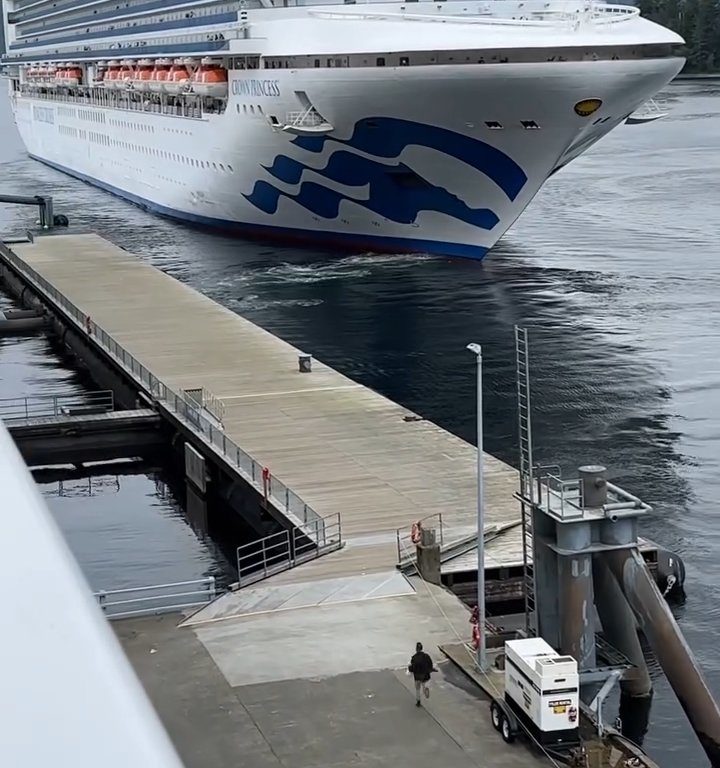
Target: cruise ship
x,y
378,126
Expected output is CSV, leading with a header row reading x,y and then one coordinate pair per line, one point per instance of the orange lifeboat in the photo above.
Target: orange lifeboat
x,y
31,75
112,75
51,75
73,75
159,75
178,78
143,75
210,79
127,74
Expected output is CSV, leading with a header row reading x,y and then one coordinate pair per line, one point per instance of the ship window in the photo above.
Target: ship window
x,y
529,125
493,125
274,120
260,109
317,63
380,62
230,168
252,109
214,167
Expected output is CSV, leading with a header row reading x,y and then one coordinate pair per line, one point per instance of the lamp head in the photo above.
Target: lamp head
x,y
476,349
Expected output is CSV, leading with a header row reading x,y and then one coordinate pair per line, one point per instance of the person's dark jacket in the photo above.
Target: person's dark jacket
x,y
421,665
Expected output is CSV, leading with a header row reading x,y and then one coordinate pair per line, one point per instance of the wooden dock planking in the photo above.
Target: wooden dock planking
x,y
340,446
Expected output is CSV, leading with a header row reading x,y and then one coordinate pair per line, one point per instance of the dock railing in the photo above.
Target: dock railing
x,y
24,409
403,536
254,473
281,551
160,598
563,497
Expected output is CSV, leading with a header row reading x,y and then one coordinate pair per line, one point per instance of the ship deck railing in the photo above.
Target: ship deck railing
x,y
595,13
98,97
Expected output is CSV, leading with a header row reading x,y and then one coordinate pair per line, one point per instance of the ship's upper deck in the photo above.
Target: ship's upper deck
x,y
38,30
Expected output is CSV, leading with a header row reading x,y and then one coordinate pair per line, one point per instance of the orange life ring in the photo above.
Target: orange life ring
x,y
475,636
416,533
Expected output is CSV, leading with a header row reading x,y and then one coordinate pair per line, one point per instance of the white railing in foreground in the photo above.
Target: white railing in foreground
x,y
71,695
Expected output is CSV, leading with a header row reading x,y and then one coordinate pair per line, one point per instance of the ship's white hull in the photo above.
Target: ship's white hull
x,y
410,165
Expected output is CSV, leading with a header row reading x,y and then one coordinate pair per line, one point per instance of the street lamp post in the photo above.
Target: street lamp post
x,y
476,349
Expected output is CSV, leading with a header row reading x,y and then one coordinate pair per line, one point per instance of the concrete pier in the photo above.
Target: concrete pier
x,y
317,687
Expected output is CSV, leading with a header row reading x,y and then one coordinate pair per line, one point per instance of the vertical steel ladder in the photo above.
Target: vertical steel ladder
x,y
526,475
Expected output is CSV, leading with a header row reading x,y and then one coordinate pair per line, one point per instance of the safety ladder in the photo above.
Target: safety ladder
x,y
526,475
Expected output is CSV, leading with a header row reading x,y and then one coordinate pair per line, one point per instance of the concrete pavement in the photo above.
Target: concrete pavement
x,y
233,693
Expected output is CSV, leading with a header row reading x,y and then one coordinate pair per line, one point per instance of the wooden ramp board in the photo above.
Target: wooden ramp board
x,y
340,446
248,602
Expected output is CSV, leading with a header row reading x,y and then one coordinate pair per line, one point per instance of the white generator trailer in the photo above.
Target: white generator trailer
x,y
541,695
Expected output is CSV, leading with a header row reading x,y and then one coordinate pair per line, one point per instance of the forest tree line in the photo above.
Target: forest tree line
x,y
698,21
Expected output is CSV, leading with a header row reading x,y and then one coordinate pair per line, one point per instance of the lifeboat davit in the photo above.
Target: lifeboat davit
x,y
127,74
210,79
178,78
100,70
143,75
72,75
112,75
159,75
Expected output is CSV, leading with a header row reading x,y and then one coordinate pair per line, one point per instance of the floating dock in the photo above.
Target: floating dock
x,y
339,446
317,444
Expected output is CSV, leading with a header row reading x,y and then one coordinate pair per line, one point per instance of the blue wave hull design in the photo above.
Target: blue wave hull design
x,y
303,238
393,191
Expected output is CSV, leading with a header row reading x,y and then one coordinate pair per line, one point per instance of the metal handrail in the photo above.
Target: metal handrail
x,y
172,597
287,549
252,471
205,399
39,406
403,536
306,117
558,489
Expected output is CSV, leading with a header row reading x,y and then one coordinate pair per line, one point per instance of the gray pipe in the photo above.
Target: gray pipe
x,y
625,495
620,629
619,505
669,646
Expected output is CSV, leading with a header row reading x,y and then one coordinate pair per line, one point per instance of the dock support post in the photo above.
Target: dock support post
x,y
669,646
620,629
575,590
428,557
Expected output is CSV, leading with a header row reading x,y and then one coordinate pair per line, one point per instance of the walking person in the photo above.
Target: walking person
x,y
421,667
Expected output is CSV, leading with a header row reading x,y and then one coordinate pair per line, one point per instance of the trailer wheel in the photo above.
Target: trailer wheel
x,y
506,730
496,715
